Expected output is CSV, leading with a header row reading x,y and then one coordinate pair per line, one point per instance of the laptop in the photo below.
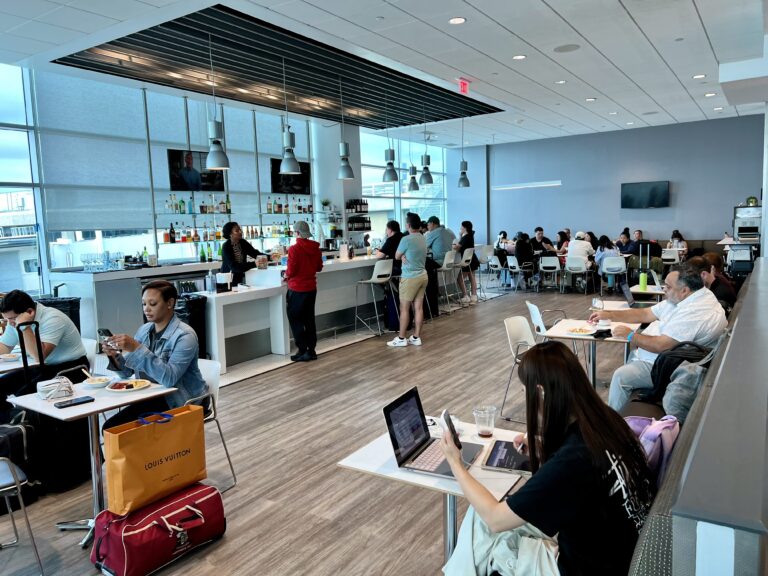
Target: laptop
x,y
656,279
414,448
631,299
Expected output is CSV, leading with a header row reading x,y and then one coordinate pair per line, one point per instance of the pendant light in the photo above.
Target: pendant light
x,y
289,165
217,158
463,180
413,186
345,170
426,177
390,174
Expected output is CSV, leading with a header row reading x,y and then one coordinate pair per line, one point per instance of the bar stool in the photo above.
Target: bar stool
x,y
484,255
445,271
466,262
12,478
381,276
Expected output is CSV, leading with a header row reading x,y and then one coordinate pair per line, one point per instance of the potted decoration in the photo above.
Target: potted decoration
x,y
326,204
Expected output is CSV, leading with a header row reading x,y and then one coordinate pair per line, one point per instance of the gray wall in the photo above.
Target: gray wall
x,y
711,165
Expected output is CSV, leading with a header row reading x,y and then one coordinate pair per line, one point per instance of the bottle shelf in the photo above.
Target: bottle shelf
x,y
195,213
222,240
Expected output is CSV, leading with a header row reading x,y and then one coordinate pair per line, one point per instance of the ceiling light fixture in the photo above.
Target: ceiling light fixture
x,y
217,157
390,174
345,170
699,76
718,108
289,164
612,113
519,57
243,91
710,94
174,75
457,20
426,176
560,81
463,180
413,186
591,99
630,123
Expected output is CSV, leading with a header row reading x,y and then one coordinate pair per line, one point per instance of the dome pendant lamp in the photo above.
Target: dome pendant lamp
x,y
216,158
463,180
289,164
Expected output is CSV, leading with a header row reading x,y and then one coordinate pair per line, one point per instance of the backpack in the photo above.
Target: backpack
x,y
657,438
666,363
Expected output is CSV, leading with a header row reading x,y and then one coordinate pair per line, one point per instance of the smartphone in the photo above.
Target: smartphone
x,y
448,428
104,334
73,402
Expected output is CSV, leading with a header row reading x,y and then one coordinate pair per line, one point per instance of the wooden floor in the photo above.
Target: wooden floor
x,y
294,511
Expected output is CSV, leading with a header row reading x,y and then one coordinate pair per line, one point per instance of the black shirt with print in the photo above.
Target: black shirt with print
x,y
596,517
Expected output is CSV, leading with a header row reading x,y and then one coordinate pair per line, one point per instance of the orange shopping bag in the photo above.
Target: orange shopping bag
x,y
153,457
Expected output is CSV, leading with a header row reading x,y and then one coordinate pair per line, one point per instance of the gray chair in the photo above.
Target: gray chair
x,y
12,478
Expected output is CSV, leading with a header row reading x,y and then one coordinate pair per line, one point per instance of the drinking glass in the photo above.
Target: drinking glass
x,y
485,420
597,304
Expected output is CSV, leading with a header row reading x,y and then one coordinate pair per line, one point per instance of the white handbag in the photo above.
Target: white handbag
x,y
59,387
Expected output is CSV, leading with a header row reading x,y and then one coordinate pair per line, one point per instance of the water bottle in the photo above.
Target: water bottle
x,y
643,281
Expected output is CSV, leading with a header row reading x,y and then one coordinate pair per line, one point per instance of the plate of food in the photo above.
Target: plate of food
x,y
128,385
582,331
97,381
11,357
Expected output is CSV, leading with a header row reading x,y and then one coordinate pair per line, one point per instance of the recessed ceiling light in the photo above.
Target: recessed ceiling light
x,y
591,99
630,123
651,113
494,73
612,113
379,18
710,94
560,81
699,76
209,83
457,20
680,39
271,96
243,90
718,108
519,57
567,48
174,75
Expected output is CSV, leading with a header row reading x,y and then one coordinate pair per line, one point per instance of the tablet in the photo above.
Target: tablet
x,y
505,458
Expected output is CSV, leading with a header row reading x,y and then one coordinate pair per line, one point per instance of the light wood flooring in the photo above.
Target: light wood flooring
x,y
294,511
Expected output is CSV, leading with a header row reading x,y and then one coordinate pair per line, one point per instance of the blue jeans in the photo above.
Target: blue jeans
x,y
634,375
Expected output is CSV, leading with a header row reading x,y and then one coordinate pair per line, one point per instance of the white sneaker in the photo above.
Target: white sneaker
x,y
473,300
398,342
465,300
414,341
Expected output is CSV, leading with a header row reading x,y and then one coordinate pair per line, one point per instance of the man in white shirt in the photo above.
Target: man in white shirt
x,y
690,313
579,247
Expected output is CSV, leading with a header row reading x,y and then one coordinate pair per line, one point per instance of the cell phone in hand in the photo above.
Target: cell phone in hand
x,y
73,402
447,424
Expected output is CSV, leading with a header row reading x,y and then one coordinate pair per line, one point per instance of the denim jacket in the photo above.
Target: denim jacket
x,y
175,365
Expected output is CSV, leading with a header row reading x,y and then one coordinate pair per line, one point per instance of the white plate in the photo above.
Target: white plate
x,y
139,385
10,357
589,333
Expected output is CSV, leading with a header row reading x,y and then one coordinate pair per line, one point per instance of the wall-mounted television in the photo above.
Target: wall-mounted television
x,y
187,172
289,183
645,194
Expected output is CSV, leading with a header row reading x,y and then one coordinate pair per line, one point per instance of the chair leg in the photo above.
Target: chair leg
x,y
356,287
376,309
506,392
397,310
13,523
29,527
229,459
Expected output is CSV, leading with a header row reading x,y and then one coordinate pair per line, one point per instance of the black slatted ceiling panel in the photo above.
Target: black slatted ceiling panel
x,y
248,58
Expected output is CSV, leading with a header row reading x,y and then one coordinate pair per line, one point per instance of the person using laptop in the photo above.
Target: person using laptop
x,y
590,482
690,313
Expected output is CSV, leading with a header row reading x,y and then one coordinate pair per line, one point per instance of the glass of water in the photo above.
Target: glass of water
x,y
597,304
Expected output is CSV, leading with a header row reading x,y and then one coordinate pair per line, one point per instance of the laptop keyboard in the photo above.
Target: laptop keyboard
x,y
430,459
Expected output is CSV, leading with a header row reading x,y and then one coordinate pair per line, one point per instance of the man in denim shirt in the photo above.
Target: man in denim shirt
x,y
164,350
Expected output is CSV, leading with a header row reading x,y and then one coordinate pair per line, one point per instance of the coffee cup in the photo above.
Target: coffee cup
x,y
603,323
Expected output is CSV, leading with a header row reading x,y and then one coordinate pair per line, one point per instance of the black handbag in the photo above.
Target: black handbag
x,y
666,363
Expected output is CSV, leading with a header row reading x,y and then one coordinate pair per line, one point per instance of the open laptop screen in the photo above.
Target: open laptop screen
x,y
407,425
627,294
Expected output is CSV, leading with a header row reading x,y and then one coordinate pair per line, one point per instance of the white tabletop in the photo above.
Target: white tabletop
x,y
103,400
561,330
378,458
651,289
612,305
15,365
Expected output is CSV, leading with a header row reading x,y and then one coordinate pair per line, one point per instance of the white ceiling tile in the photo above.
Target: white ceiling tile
x,y
11,57
735,27
8,22
23,45
46,32
304,12
122,10
77,20
27,8
159,3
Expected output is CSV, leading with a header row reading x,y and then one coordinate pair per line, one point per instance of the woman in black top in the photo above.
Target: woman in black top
x,y
466,241
590,485
234,252
390,245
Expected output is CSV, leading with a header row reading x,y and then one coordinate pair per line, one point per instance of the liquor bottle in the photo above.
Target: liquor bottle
x,y
190,205
203,207
279,207
167,206
203,255
269,206
210,253
218,233
172,235
219,252
228,204
287,230
195,236
222,207
309,207
182,206
166,236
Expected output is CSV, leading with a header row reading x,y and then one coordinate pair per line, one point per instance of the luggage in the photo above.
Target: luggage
x,y
148,539
17,443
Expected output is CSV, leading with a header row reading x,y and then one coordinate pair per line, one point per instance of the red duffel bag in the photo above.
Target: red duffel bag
x,y
147,539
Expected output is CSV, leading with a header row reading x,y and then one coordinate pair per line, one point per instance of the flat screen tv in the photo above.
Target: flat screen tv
x,y
188,174
289,183
645,194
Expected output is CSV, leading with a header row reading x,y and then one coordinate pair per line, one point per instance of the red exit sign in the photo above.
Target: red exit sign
x,y
464,86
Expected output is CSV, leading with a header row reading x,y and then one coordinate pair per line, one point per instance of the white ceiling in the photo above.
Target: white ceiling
x,y
636,57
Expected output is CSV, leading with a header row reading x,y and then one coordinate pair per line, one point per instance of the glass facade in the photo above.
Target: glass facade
x,y
392,200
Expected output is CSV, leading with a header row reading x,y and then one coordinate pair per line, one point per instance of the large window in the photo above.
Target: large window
x,y
392,200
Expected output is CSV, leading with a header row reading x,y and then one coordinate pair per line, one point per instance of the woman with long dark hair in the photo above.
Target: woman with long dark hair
x,y
676,240
590,485
467,240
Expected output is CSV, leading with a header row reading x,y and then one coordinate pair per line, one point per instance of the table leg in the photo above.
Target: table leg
x,y
97,487
450,524
593,363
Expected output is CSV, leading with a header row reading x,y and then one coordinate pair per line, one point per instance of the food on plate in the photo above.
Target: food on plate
x,y
97,380
9,357
581,330
127,385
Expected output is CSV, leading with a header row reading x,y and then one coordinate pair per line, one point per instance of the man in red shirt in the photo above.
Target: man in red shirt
x,y
304,262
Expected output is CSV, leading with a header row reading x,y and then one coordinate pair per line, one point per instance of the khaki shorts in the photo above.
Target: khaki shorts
x,y
412,289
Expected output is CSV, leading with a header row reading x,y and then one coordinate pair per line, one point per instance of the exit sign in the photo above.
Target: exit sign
x,y
463,86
